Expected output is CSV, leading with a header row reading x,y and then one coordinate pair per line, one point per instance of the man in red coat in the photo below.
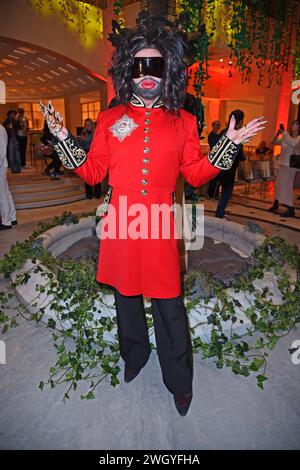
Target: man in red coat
x,y
144,143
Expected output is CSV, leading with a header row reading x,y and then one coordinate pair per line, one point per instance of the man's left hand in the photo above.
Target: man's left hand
x,y
245,134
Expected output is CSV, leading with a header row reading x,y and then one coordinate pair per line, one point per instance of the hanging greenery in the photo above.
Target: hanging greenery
x,y
192,20
81,17
117,8
296,56
261,34
85,338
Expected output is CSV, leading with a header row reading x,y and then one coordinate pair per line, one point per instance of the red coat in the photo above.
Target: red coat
x,y
144,166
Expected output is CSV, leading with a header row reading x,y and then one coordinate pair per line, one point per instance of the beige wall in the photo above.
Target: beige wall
x,y
73,108
50,33
73,112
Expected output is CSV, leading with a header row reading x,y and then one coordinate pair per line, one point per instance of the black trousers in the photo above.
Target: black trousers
x,y
173,340
56,163
227,184
93,191
22,140
213,188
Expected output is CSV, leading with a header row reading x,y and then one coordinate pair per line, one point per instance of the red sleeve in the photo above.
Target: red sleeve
x,y
194,167
95,167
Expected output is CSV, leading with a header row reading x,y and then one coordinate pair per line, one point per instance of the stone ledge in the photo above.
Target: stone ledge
x,y
59,238
232,233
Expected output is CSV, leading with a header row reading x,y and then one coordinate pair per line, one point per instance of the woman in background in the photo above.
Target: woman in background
x,y
85,141
284,189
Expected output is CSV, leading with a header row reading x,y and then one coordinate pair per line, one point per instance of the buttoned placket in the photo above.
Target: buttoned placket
x,y
146,150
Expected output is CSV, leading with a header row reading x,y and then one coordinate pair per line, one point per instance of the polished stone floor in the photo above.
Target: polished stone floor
x,y
227,411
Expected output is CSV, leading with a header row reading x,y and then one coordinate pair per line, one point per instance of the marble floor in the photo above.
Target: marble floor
x,y
227,411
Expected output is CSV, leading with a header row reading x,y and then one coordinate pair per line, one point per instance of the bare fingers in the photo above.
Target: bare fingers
x,y
254,130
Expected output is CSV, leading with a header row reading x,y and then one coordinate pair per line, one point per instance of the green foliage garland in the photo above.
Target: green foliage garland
x,y
86,354
117,8
83,17
261,33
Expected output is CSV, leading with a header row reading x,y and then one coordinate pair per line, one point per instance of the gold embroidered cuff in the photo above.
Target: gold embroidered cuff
x,y
70,152
222,154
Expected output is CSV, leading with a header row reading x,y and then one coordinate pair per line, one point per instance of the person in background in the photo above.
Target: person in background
x,y
22,128
85,141
226,178
13,151
213,138
49,151
192,105
263,151
214,135
284,188
7,207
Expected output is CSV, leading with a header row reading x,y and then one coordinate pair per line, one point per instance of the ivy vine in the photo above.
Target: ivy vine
x,y
117,9
84,18
258,33
87,348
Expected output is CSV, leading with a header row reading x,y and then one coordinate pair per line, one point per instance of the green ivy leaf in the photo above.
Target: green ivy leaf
x,y
89,396
260,380
272,343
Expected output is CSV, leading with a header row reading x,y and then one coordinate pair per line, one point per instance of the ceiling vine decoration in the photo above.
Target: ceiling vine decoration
x,y
262,35
258,34
117,9
83,18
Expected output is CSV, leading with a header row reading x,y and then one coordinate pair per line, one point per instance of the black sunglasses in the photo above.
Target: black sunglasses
x,y
153,66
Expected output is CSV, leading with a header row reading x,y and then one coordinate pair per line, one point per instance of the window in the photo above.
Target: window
x,y
33,113
37,117
90,110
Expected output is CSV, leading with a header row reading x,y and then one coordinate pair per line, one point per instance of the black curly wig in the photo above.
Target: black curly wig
x,y
150,32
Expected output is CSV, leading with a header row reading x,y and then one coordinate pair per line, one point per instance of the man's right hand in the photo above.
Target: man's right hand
x,y
54,121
